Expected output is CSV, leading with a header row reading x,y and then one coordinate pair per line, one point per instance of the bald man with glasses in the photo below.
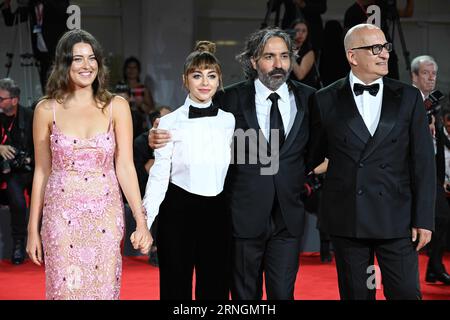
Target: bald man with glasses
x,y
378,196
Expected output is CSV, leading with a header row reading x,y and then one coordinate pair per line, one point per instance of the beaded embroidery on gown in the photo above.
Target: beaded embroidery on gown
x,y
83,218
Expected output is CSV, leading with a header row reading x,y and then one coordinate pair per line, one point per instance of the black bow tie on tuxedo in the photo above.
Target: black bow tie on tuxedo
x,y
359,89
210,111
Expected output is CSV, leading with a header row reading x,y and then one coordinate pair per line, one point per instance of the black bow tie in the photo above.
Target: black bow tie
x,y
211,111
359,89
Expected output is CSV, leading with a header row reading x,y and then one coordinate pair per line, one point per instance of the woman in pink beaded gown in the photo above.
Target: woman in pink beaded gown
x,y
83,149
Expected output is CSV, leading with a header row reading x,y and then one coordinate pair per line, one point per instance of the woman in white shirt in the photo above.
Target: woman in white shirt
x,y
185,187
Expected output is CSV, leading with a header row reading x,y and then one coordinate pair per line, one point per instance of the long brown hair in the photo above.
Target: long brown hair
x,y
59,84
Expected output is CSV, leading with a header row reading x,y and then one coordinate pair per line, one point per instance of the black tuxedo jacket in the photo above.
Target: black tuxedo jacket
x,y
376,187
251,194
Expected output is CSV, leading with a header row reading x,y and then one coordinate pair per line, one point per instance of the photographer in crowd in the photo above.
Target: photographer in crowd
x,y
16,161
424,73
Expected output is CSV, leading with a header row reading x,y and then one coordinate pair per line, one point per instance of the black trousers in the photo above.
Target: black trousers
x,y
193,232
398,262
438,242
16,184
275,253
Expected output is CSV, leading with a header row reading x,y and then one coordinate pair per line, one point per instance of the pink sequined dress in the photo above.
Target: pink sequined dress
x,y
83,218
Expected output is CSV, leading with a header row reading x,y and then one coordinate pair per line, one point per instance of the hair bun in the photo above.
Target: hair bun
x,y
204,45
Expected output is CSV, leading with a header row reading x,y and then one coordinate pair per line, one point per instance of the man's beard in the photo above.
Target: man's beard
x,y
9,110
272,82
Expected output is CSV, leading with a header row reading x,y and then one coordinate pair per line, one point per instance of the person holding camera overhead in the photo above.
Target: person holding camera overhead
x,y
304,68
16,162
309,10
424,73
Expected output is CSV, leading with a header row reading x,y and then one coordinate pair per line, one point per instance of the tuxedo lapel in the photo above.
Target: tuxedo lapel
x,y
301,103
350,112
389,111
248,105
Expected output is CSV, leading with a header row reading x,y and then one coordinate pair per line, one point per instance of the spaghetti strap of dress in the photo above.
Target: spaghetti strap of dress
x,y
110,115
54,112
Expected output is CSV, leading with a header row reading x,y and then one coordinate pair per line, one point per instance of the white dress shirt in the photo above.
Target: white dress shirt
x,y
368,106
196,159
286,105
423,96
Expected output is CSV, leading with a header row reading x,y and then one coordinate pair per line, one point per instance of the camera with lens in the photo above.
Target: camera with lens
x,y
312,184
122,88
310,192
433,104
21,162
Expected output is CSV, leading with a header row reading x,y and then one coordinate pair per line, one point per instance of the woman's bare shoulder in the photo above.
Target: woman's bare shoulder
x,y
45,104
43,113
119,101
45,107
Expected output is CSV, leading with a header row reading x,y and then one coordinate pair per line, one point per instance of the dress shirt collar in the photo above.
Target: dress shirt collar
x,y
189,102
423,96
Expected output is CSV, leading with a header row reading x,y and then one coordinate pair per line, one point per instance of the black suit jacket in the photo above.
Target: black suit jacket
x,y
376,187
141,154
251,195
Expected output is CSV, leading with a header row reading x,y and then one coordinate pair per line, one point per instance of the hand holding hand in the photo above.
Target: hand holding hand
x,y
141,239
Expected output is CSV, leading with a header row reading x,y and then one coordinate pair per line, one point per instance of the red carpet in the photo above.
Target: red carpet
x,y
315,281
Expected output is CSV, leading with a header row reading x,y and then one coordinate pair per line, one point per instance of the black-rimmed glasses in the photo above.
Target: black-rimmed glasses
x,y
3,99
377,48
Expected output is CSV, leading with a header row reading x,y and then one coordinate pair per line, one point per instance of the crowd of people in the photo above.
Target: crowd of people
x,y
86,154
